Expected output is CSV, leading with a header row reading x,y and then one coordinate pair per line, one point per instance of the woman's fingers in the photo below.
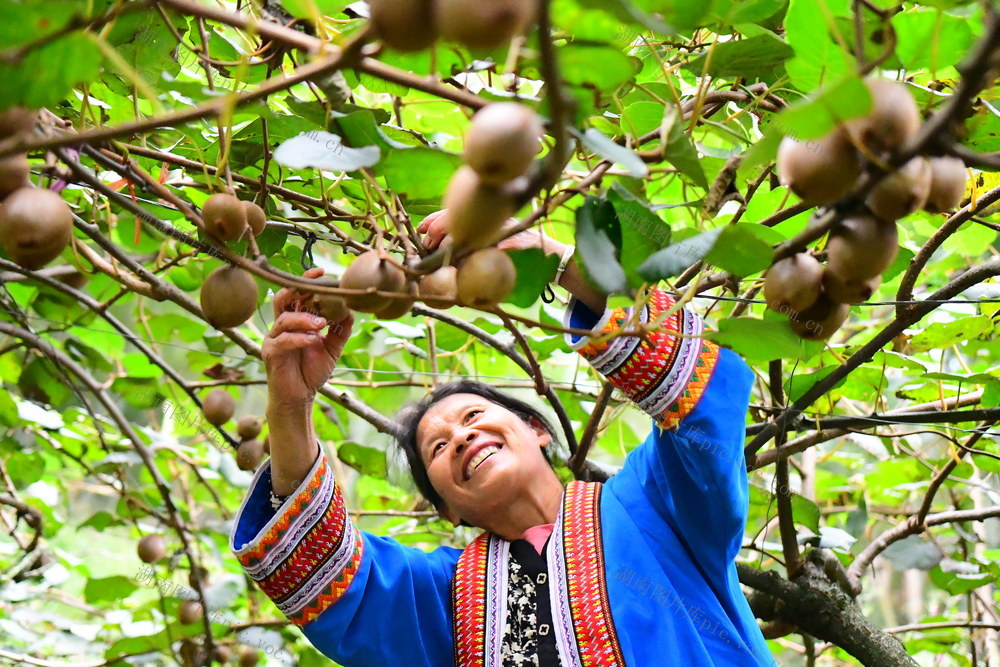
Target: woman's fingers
x,y
286,296
336,337
426,223
296,322
289,341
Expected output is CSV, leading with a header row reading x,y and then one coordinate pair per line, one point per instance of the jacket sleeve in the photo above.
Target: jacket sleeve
x,y
690,471
338,583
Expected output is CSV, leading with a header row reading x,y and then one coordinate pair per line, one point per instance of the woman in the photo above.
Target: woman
x,y
638,571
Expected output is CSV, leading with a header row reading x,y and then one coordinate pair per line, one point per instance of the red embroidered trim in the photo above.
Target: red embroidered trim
x,y
596,637
251,558
469,595
336,590
707,360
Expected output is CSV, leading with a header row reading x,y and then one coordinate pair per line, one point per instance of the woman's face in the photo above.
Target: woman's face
x,y
479,456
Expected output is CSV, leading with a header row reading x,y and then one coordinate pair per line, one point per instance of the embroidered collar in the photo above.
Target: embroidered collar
x,y
584,629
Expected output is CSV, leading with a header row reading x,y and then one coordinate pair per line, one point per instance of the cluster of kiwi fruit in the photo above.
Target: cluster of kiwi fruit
x,y
229,294
412,25
219,407
36,225
500,145
861,247
192,654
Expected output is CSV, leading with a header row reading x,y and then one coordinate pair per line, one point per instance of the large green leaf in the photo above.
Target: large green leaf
x,y
597,252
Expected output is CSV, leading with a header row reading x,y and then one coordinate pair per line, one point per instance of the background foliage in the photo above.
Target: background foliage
x,y
676,109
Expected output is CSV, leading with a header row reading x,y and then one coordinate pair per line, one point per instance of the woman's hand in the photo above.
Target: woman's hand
x,y
435,227
298,357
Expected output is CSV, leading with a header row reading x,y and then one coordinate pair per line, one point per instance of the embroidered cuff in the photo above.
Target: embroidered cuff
x,y
305,556
665,375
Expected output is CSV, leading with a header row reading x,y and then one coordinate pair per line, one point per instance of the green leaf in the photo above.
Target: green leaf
x,y
757,340
115,588
944,334
600,67
913,553
419,173
366,460
805,512
760,56
818,57
642,231
931,39
8,409
672,260
740,250
681,153
593,247
535,269
596,141
957,583
49,72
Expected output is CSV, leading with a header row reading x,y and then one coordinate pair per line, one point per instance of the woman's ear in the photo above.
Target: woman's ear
x,y
540,431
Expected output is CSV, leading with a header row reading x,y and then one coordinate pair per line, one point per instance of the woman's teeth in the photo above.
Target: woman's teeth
x,y
480,456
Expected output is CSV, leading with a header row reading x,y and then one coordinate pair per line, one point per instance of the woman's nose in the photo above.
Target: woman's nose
x,y
463,441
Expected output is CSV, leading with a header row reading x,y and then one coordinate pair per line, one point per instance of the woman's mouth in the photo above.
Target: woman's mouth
x,y
479,458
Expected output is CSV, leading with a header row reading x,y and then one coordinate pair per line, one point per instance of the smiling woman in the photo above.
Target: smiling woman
x,y
534,587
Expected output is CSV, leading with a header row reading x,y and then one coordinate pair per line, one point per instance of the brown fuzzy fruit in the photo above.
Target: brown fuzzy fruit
x,y
502,141
16,120
151,548
219,407
486,278
849,291
330,306
476,210
190,612
820,320
948,177
369,271
248,427
440,288
902,192
224,217
191,654
483,25
229,297
249,455
404,25
256,218
35,226
794,283
14,172
249,657
819,171
862,247
198,575
894,117
222,654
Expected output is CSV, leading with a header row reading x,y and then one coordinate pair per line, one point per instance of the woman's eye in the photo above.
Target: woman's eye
x,y
436,448
471,413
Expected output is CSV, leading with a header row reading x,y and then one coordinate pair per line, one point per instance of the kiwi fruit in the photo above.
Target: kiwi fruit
x,y
200,574
820,320
894,117
152,548
502,141
228,297
902,192
249,455
219,407
404,25
14,172
224,217
35,226
332,307
794,283
849,291
16,120
439,289
191,654
190,612
486,277
476,210
369,271
948,177
256,218
862,247
820,171
249,657
248,427
222,654
483,25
